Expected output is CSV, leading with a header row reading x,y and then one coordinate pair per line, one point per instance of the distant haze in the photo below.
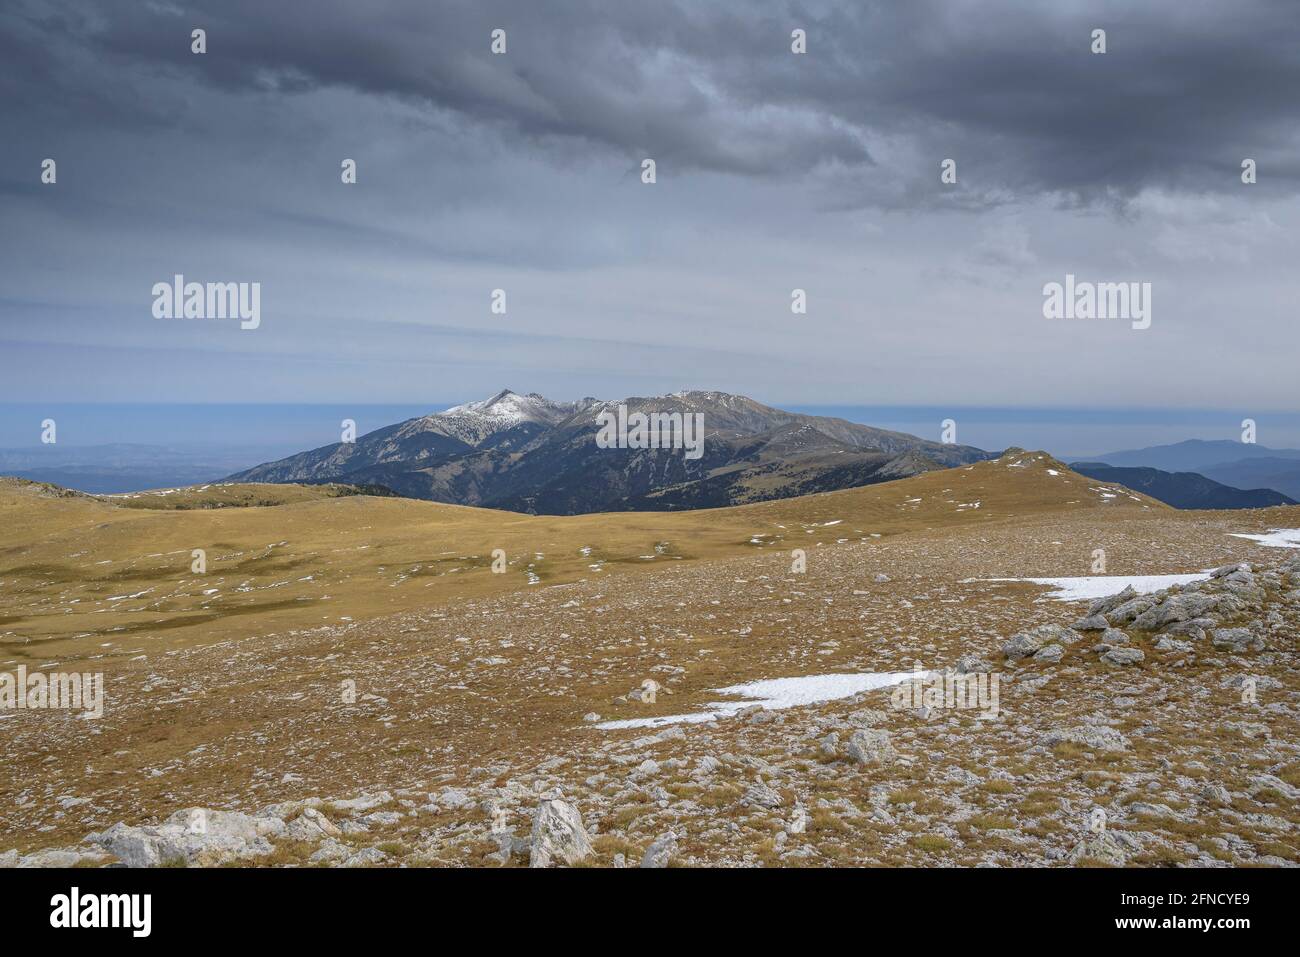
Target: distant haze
x,y
165,445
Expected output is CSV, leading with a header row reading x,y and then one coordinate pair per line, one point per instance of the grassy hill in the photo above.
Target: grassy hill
x,y
109,576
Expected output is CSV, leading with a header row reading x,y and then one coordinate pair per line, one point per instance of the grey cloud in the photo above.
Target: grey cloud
x,y
885,91
776,171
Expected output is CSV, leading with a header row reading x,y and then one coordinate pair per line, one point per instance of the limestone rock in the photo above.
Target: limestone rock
x,y
1097,737
871,746
1123,656
761,795
558,835
1091,623
660,852
1029,642
1050,654
312,825
1175,608
195,836
1236,640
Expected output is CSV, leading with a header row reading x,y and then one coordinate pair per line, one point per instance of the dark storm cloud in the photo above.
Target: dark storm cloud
x,y
776,171
1011,90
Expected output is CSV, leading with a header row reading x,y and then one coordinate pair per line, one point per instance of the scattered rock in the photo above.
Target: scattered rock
x,y
1096,737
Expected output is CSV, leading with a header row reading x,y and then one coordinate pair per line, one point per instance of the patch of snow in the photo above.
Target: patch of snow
x,y
1275,538
773,694
1090,587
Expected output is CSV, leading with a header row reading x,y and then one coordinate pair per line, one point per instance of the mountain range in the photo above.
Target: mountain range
x,y
1182,489
1240,465
1193,455
527,453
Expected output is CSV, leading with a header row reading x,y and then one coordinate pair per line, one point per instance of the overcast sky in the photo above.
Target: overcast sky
x,y
775,171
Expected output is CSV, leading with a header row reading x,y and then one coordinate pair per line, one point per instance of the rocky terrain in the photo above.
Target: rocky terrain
x,y
543,724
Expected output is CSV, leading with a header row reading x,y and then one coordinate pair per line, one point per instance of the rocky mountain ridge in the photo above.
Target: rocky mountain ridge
x,y
530,454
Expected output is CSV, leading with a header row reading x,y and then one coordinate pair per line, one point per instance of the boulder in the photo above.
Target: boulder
x,y
871,746
312,825
1104,847
453,799
1113,636
1123,656
1236,640
1129,611
972,664
192,837
330,852
760,795
1175,608
660,852
60,857
558,836
364,802
1194,628
1029,642
1091,623
1103,606
366,857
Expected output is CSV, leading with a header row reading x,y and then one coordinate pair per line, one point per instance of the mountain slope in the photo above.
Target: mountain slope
x,y
80,570
1280,474
1182,489
529,454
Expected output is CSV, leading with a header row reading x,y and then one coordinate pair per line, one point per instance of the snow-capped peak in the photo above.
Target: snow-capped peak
x,y
473,422
504,405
